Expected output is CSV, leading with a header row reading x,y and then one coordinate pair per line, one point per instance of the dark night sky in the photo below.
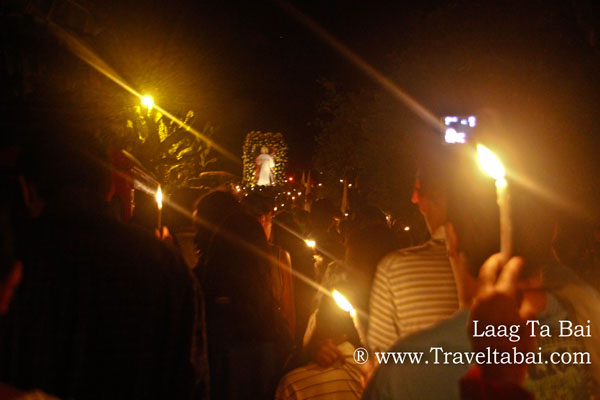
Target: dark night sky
x,y
251,66
254,67
246,66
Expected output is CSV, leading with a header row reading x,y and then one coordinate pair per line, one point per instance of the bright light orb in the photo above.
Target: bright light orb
x,y
490,163
148,101
407,228
310,243
159,198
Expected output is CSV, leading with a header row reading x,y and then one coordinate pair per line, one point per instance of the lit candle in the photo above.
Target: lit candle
x,y
493,167
159,203
345,305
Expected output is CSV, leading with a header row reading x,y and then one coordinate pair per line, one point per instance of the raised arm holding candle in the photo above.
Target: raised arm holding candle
x,y
493,167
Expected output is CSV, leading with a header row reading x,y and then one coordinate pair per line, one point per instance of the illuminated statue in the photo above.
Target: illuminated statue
x,y
264,168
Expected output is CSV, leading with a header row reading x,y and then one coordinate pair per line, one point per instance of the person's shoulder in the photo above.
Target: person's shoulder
x,y
450,333
146,252
417,254
429,377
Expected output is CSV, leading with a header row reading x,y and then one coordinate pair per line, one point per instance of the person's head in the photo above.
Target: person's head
x,y
429,192
264,150
364,249
210,211
370,215
144,211
238,264
260,207
64,160
302,217
286,231
322,213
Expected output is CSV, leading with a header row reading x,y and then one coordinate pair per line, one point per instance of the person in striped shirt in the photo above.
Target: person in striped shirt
x,y
414,288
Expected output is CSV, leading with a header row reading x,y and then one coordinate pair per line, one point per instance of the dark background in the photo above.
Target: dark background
x,y
529,68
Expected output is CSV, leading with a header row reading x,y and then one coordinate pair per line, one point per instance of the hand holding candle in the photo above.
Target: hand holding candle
x,y
493,167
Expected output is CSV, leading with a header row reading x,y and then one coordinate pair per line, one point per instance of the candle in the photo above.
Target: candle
x,y
312,244
345,305
159,203
493,167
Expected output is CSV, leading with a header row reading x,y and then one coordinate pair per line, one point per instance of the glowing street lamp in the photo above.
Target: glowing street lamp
x,y
148,102
345,305
493,167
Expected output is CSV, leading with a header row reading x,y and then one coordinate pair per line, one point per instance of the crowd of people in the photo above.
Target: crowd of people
x,y
94,308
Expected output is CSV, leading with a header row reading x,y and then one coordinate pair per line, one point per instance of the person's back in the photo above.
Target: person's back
x,y
248,339
103,311
414,289
443,353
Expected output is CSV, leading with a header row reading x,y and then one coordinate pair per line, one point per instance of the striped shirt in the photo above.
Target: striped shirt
x,y
413,289
338,382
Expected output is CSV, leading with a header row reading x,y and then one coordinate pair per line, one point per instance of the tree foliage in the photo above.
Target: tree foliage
x,y
366,138
171,152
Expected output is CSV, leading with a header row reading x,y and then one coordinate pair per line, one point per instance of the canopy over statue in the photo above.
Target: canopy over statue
x,y
265,155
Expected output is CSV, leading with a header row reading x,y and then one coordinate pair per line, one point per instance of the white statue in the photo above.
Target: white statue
x,y
264,168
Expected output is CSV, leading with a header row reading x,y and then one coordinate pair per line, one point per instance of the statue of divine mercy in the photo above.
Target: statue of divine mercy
x,y
264,168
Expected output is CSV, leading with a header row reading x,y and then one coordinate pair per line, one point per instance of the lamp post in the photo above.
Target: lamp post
x,y
493,167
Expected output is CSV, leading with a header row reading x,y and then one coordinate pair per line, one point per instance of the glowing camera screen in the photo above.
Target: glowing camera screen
x,y
457,129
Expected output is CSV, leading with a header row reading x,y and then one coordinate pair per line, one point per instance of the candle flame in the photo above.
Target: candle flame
x,y
490,163
310,243
342,302
159,198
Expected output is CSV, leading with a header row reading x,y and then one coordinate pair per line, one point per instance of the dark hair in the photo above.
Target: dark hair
x,y
211,210
472,209
365,248
322,212
433,166
258,204
238,267
370,215
284,222
65,154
